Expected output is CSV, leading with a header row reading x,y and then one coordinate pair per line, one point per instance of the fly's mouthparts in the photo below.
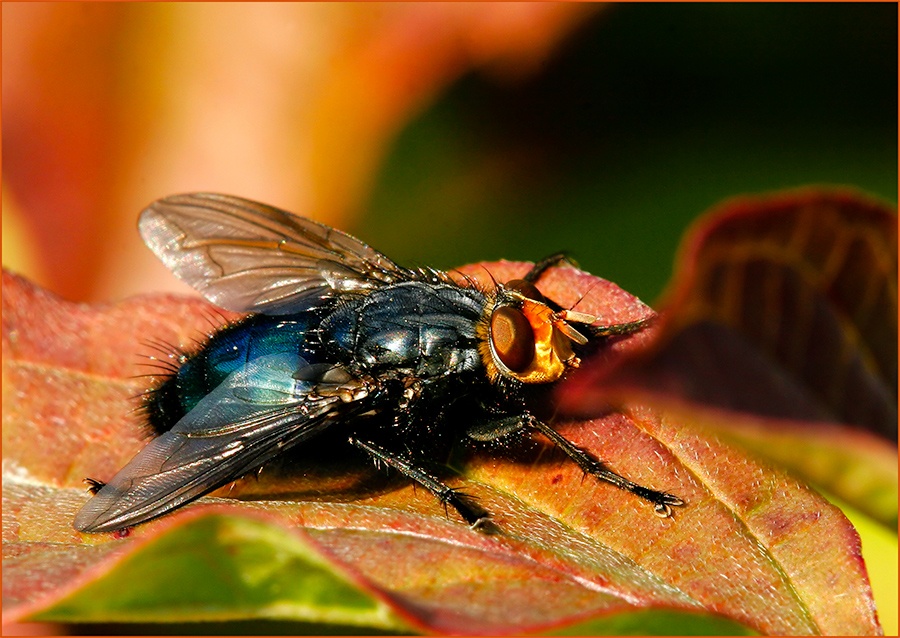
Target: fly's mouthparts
x,y
568,330
576,317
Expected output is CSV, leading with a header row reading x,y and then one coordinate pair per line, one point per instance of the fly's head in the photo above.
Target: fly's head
x,y
523,338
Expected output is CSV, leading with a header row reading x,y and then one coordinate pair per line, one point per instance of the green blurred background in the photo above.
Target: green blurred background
x,y
645,117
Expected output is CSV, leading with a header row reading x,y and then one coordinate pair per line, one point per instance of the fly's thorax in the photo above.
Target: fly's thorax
x,y
522,338
423,327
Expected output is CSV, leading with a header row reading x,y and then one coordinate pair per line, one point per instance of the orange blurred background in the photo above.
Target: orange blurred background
x,y
108,106
441,133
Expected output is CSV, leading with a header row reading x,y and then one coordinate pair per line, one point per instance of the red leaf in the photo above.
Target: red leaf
x,y
780,328
786,307
750,543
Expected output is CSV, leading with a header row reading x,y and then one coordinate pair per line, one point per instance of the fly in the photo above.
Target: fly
x,y
339,337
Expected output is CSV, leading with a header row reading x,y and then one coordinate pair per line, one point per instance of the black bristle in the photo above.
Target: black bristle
x,y
159,405
94,485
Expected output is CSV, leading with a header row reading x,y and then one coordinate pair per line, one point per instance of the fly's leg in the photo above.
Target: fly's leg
x,y
526,286
496,428
548,262
619,328
474,516
542,266
662,501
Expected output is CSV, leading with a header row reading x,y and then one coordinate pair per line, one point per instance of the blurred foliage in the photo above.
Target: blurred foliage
x,y
114,105
648,115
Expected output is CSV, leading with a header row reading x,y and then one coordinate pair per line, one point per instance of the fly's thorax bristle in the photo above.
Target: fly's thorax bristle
x,y
433,276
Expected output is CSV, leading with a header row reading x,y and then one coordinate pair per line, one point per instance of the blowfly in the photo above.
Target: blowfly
x,y
339,338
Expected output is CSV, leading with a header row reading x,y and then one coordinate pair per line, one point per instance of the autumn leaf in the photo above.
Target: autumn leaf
x,y
330,541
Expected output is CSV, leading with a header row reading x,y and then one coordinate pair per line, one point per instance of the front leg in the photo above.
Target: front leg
x,y
496,428
662,501
473,515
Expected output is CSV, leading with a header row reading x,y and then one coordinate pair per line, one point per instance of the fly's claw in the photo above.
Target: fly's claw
x,y
94,485
663,504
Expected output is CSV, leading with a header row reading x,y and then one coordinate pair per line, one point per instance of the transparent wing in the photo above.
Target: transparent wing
x,y
253,415
249,257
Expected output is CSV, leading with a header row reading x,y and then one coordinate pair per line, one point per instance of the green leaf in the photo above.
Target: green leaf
x,y
217,568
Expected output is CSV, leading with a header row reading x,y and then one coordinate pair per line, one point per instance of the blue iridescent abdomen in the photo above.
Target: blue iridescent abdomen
x,y
226,351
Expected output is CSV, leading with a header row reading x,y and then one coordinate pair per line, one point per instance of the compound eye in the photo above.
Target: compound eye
x,y
513,338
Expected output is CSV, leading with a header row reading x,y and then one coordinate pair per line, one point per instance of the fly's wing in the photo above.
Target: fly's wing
x,y
253,415
249,257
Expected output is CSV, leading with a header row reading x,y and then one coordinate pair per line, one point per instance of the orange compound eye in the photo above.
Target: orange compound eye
x,y
513,338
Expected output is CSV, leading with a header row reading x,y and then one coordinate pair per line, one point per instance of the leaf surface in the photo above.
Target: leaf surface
x,y
751,544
